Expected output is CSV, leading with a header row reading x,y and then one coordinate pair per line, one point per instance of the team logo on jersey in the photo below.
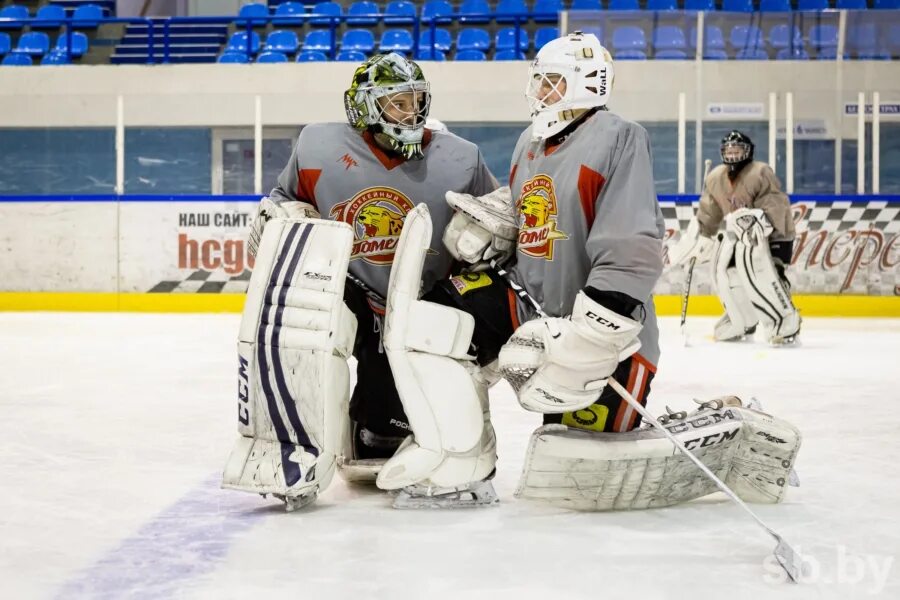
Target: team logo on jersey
x,y
537,208
376,215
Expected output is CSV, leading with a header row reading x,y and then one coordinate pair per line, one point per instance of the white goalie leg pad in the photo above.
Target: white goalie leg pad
x,y
427,346
740,317
293,380
751,451
767,292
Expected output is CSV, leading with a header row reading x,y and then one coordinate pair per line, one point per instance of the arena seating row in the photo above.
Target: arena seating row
x,y
36,45
748,42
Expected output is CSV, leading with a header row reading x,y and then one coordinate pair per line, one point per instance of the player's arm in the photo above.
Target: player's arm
x,y
773,202
290,198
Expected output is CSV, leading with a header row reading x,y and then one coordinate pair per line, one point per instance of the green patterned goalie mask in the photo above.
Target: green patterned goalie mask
x,y
390,96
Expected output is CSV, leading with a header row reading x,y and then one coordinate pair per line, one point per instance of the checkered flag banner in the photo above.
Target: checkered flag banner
x,y
842,247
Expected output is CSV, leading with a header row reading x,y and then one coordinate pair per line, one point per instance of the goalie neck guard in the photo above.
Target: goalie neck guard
x,y
390,97
569,76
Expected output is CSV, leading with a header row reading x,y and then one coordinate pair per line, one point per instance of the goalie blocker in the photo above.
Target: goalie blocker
x,y
751,451
293,381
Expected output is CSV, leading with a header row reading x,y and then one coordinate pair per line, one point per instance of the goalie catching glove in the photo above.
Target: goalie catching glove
x,y
268,209
483,228
561,365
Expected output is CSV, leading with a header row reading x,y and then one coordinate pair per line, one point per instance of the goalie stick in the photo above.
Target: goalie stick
x,y
686,290
789,559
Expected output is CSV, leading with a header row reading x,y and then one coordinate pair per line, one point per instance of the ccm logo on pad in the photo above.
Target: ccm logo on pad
x,y
602,321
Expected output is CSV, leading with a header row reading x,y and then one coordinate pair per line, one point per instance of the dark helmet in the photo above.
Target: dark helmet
x,y
736,150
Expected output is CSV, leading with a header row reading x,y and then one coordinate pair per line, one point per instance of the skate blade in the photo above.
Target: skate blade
x,y
292,503
414,498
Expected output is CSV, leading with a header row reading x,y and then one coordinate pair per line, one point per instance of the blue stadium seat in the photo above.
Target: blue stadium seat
x,y
351,56
272,57
438,11
586,5
318,40
399,12
88,16
887,4
248,11
506,8
430,54
545,11
469,55
785,36
597,31
862,37
35,43
282,41
707,5
442,39
506,39
363,13
79,44
752,54
737,5
311,56
56,58
474,11
746,36
473,38
16,59
893,39
13,11
544,35
795,53
662,4
5,43
669,37
238,42
630,55
775,6
712,39
509,55
233,58
290,9
361,40
852,4
624,5
823,36
395,40
670,55
629,37
829,53
813,5
49,16
330,9
715,54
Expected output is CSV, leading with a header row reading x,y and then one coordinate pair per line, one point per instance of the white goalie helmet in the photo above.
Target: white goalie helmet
x,y
568,76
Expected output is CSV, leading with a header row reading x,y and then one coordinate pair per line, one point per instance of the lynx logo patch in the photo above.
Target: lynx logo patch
x,y
376,215
537,208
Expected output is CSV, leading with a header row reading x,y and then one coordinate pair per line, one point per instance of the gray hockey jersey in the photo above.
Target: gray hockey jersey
x,y
349,178
588,216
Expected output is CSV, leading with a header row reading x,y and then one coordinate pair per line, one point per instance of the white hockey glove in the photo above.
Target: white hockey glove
x,y
561,365
750,225
483,228
268,209
692,244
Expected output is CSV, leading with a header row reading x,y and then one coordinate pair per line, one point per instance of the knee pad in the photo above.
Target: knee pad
x,y
740,317
293,380
427,346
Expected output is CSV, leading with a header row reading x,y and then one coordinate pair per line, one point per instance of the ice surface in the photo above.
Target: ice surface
x,y
116,427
